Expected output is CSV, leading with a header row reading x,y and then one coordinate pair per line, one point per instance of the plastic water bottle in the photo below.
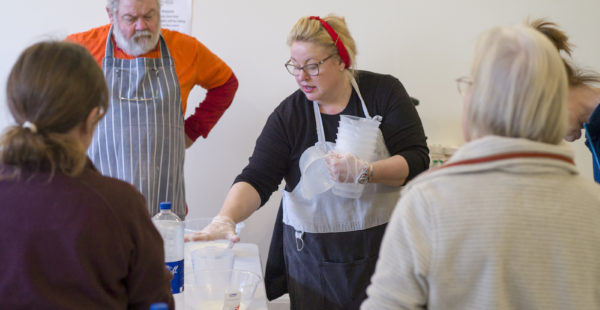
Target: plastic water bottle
x,y
170,227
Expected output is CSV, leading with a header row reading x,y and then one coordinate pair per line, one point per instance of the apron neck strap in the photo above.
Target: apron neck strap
x,y
320,131
109,51
362,101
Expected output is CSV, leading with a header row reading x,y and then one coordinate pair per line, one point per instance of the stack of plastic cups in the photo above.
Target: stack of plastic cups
x,y
358,136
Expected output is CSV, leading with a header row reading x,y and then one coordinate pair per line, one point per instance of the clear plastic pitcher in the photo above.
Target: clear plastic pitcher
x,y
314,173
192,225
212,257
212,287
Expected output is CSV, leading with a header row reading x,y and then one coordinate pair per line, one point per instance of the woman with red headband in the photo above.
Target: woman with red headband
x,y
329,243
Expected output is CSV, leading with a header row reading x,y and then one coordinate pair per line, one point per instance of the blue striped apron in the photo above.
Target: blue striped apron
x,y
141,138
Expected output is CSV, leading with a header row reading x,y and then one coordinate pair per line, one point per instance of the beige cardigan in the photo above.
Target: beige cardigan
x,y
516,233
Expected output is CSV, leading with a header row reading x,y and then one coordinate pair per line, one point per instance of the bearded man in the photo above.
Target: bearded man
x,y
150,72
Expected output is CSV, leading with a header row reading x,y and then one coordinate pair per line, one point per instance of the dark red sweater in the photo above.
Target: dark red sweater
x,y
78,243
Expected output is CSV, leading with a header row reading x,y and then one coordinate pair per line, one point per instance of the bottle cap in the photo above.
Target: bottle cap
x,y
166,205
159,306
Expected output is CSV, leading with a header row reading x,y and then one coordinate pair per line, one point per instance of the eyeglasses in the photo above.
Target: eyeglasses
x,y
464,84
310,69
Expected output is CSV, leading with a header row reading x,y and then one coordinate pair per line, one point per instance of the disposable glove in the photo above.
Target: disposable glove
x,y
345,168
221,227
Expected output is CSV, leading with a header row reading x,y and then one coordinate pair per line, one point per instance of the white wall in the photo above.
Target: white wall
x,y
426,44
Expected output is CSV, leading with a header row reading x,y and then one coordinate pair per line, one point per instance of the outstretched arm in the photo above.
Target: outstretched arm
x,y
241,201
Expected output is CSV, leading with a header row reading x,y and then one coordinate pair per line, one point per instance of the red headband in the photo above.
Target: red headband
x,y
338,43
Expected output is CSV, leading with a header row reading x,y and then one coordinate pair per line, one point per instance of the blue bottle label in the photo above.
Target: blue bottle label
x,y
176,269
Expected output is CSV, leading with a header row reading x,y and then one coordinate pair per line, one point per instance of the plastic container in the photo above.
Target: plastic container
x,y
212,258
365,146
314,173
364,151
354,136
192,225
213,288
170,227
357,136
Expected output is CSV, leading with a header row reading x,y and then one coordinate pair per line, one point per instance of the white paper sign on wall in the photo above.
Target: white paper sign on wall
x,y
177,15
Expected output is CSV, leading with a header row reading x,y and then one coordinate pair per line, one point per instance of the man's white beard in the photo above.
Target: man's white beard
x,y
146,40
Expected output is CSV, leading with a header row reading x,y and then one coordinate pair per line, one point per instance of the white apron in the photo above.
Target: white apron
x,y
326,212
141,138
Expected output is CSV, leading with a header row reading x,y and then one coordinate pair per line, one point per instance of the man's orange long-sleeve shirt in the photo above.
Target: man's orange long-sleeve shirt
x,y
195,64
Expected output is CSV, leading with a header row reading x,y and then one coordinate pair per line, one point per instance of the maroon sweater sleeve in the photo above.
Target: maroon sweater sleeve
x,y
209,111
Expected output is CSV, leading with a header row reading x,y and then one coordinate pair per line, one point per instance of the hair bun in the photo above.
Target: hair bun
x,y
551,31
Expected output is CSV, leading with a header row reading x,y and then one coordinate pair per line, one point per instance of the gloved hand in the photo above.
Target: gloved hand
x,y
221,227
345,168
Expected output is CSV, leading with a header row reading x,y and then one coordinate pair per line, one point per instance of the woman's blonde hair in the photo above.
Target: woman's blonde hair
x,y
519,87
311,30
54,86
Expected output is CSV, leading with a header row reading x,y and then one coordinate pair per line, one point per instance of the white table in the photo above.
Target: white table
x,y
246,258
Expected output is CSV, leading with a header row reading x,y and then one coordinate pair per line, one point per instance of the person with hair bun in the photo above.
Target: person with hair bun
x,y
507,222
584,94
70,237
324,247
